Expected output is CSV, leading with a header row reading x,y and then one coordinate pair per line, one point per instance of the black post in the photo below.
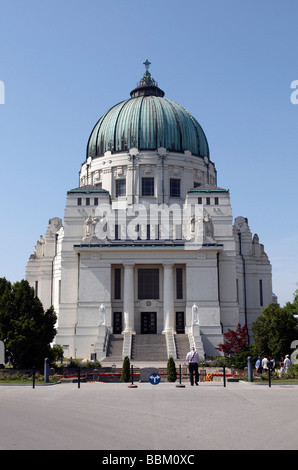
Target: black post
x,y
33,378
224,375
132,384
79,377
250,369
46,369
269,376
180,374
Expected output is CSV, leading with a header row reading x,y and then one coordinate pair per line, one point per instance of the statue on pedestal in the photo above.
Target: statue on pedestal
x,y
102,315
195,315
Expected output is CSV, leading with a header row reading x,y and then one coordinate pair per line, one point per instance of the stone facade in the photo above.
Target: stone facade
x,y
148,245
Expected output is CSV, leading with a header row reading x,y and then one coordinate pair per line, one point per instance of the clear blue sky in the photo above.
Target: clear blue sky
x,y
230,63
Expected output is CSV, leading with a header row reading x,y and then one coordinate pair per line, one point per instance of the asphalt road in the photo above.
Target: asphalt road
x,y
107,416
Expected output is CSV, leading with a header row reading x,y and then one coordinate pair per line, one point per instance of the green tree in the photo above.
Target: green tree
x,y
274,330
25,328
171,370
125,370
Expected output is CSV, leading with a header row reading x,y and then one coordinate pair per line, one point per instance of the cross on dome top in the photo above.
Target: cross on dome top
x,y
147,85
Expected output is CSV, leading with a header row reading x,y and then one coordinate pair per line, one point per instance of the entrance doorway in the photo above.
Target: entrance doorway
x,y
180,325
117,323
148,323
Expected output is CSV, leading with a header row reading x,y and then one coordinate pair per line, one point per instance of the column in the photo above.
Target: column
x,y
128,297
168,298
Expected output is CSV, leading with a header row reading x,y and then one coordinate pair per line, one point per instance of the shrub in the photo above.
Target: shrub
x,y
171,370
125,370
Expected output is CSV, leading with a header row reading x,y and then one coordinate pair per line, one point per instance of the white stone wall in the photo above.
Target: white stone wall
x,y
75,272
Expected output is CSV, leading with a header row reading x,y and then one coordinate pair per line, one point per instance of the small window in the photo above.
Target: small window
x,y
174,187
179,283
117,232
196,184
261,292
117,284
216,202
87,201
200,200
79,201
147,186
208,201
96,201
120,188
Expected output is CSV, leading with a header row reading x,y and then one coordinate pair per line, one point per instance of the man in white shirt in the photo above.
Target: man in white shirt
x,y
193,358
287,363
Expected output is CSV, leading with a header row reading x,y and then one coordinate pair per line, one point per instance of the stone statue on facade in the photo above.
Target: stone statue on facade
x,y
208,229
102,315
195,315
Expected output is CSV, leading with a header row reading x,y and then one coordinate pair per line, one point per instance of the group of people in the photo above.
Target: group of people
x,y
268,363
261,365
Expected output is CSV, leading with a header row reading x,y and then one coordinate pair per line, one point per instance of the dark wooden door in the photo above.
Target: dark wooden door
x,y
180,324
117,324
148,320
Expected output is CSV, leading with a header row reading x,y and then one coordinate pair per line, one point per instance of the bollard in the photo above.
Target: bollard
x,y
250,369
33,378
46,370
224,375
132,385
180,385
269,376
79,377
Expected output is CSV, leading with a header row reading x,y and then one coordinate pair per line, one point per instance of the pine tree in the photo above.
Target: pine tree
x,y
125,370
171,370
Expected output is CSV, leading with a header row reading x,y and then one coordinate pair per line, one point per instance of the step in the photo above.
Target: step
x,y
149,347
182,346
115,348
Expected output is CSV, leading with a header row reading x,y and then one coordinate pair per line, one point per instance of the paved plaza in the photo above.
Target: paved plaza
x,y
110,416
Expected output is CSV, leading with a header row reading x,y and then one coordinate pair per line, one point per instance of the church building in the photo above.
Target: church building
x,y
148,257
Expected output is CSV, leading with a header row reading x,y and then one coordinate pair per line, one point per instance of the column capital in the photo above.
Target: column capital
x,y
168,265
129,264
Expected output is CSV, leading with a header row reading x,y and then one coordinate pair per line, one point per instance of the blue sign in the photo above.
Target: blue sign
x,y
154,379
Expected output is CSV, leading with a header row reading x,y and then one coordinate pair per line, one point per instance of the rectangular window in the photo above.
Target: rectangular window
x,y
87,201
237,290
148,283
96,201
147,186
208,201
79,201
59,293
120,188
261,292
179,283
174,187
117,283
200,200
216,202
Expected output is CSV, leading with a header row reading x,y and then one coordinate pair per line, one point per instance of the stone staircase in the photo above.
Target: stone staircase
x,y
149,348
182,346
114,352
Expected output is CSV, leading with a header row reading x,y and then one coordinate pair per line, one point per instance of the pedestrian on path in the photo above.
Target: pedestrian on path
x,y
193,358
287,363
258,365
265,364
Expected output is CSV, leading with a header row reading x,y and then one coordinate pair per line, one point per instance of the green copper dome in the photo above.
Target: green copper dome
x,y
147,121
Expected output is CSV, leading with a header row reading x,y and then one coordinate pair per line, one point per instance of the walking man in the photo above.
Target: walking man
x,y
193,358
